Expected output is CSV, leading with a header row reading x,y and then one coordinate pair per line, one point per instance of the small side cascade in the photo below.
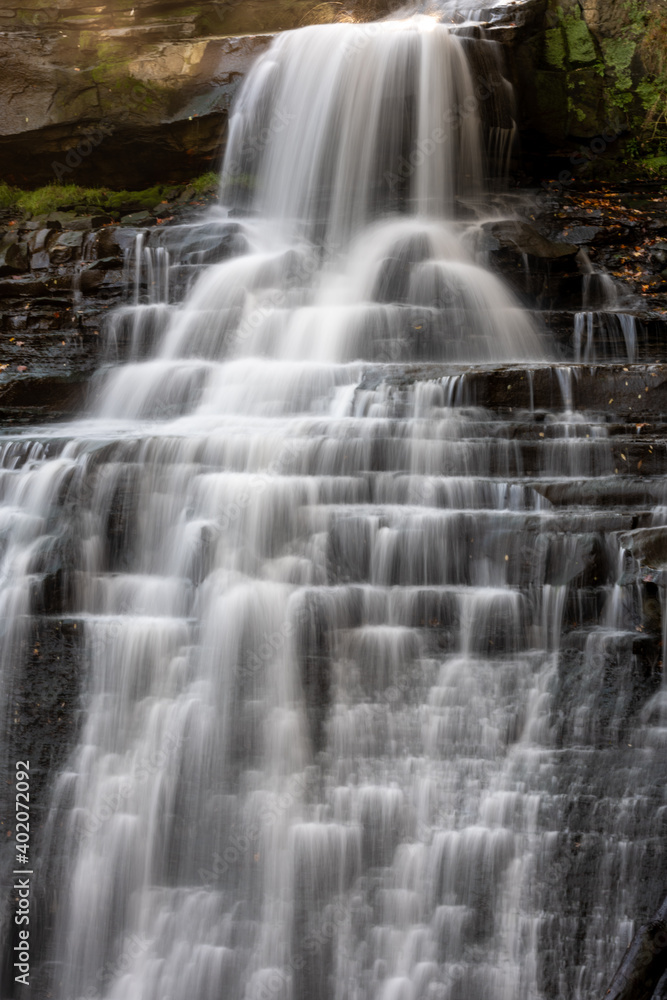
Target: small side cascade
x,y
566,376
87,256
135,329
147,267
604,330
156,261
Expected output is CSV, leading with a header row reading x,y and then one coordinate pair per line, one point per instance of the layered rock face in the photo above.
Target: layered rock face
x,y
115,105
126,93
581,66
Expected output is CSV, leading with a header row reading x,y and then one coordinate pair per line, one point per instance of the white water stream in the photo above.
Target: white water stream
x,y
322,753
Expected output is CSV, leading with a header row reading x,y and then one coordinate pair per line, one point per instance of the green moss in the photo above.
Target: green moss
x,y
114,200
580,44
655,163
568,43
88,39
554,48
56,196
127,92
637,13
206,182
618,54
649,94
7,195
49,198
595,80
104,71
31,17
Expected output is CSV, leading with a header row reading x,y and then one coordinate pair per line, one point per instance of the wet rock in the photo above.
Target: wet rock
x,y
59,220
137,219
644,963
33,399
205,244
598,493
84,224
314,657
114,241
186,196
580,234
90,280
524,238
587,563
50,221
40,261
23,286
649,546
104,264
66,246
45,700
14,259
100,220
41,238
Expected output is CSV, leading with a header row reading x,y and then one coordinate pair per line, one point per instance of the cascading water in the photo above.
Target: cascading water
x,y
332,745
604,331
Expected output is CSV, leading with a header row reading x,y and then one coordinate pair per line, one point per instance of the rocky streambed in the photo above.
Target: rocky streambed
x,y
61,273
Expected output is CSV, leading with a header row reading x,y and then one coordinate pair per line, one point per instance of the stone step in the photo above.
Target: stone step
x,y
614,391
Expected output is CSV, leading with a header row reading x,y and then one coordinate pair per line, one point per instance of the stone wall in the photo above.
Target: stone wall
x,y
582,68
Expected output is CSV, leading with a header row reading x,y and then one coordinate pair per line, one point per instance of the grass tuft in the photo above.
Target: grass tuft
x,y
54,197
206,183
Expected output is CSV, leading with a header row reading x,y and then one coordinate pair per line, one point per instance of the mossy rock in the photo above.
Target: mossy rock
x,y
580,44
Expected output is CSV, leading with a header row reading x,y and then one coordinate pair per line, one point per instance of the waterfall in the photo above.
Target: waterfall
x,y
332,742
602,332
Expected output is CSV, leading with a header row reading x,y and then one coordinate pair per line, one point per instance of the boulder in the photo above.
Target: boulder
x,y
14,258
648,546
66,246
524,238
